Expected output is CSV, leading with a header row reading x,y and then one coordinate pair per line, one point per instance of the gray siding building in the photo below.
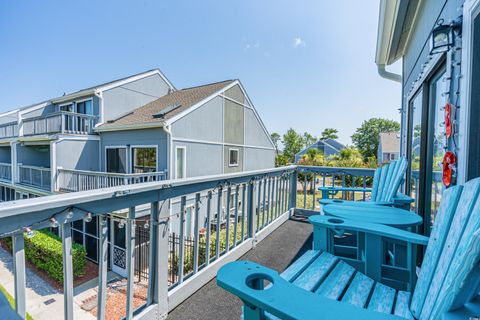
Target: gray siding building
x,y
132,130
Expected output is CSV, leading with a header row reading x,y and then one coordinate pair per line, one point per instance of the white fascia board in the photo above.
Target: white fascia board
x,y
136,126
135,78
73,96
6,113
199,104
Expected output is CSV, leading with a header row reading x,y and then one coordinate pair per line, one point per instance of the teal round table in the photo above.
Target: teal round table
x,y
389,216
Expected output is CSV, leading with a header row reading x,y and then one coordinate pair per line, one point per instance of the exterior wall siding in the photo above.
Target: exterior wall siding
x,y
256,159
78,154
147,137
204,123
254,133
201,158
34,155
234,122
120,100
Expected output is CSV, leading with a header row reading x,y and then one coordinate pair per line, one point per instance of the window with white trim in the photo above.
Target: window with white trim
x,y
180,162
233,157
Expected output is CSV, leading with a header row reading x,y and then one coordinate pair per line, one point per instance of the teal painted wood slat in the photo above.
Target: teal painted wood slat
x,y
337,281
296,268
462,214
402,305
382,299
316,272
461,281
437,239
381,182
359,290
397,179
376,180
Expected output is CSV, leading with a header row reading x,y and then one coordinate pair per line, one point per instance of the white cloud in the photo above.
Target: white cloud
x,y
299,42
254,45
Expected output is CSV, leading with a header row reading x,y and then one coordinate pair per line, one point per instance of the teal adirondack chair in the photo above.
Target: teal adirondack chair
x,y
386,181
320,285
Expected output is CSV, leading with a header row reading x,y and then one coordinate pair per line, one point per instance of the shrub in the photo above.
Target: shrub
x,y
44,250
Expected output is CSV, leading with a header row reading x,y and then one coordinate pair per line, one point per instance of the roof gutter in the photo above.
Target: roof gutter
x,y
388,75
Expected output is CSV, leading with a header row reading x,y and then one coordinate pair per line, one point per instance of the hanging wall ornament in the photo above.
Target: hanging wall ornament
x,y
449,161
448,120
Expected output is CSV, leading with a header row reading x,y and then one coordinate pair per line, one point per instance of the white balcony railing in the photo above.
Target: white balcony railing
x,y
81,180
9,130
59,122
5,171
34,176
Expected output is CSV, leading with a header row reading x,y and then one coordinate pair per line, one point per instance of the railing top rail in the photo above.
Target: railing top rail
x,y
345,170
112,174
59,113
8,124
100,201
33,167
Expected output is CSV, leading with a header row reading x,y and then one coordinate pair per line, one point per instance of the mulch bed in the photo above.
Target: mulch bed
x,y
117,299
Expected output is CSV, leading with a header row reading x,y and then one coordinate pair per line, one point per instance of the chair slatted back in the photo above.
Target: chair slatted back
x,y
397,179
387,180
456,238
446,211
381,183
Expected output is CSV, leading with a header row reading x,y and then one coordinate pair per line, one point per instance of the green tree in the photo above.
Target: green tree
x,y
329,133
366,139
308,139
292,144
275,139
281,160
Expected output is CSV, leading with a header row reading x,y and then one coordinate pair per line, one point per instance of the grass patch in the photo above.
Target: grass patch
x,y
12,301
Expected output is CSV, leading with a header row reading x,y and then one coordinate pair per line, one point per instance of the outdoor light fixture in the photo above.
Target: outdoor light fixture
x,y
443,35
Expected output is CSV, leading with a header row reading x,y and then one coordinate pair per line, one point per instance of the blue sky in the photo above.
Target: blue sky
x,y
305,64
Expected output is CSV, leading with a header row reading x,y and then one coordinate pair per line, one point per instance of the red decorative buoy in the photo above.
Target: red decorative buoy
x,y
448,120
449,161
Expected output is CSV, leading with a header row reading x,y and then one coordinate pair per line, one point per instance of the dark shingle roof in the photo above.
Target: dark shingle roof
x,y
181,99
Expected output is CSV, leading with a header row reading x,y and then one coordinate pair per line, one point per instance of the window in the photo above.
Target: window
x,y
67,107
85,107
180,162
233,157
415,137
144,160
116,160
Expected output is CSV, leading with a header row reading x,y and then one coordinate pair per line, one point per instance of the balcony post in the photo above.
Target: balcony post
x,y
130,233
102,268
293,190
159,252
251,209
19,272
67,271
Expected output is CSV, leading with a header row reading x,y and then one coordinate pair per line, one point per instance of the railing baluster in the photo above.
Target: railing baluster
x,y
343,186
102,268
195,233
269,196
19,273
181,248
67,271
264,200
257,210
244,190
227,219
364,187
251,210
219,224
130,235
353,186
277,196
235,226
314,190
208,226
305,189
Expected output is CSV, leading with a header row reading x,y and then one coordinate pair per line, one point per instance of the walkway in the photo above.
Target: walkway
x,y
43,301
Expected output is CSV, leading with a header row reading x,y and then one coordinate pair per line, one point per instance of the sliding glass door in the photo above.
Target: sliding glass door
x,y
116,160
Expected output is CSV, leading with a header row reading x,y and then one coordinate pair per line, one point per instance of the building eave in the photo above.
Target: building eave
x,y
135,126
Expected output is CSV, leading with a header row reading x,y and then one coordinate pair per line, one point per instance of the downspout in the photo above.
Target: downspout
x,y
388,75
167,129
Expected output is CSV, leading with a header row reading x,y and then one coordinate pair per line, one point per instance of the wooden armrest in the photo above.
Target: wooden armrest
x,y
282,298
403,199
340,224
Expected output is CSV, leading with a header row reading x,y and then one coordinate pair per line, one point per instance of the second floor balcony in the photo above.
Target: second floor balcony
x,y
59,122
